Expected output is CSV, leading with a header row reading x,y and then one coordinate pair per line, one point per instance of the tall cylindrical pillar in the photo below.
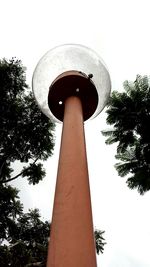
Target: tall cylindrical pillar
x,y
72,238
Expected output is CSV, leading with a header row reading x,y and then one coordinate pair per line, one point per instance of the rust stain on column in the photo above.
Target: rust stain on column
x,y
72,238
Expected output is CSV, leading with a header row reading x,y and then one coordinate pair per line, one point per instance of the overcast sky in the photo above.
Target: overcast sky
x,y
120,32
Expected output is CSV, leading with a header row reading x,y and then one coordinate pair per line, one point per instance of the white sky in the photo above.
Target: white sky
x,y
119,32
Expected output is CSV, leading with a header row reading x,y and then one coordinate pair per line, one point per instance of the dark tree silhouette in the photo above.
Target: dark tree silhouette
x,y
24,236
26,135
99,241
129,114
27,241
10,209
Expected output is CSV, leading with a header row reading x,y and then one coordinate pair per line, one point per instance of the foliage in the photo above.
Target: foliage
x,y
99,240
129,114
28,241
24,236
26,135
10,208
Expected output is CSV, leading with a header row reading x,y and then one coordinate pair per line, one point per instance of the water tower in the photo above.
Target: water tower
x,y
71,85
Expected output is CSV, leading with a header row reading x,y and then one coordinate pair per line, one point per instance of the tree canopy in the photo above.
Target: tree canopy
x,y
24,237
26,240
26,134
129,115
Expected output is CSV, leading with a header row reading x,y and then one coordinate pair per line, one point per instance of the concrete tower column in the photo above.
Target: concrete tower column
x,y
72,238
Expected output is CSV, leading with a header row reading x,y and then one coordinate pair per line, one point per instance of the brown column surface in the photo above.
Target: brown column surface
x,y
72,239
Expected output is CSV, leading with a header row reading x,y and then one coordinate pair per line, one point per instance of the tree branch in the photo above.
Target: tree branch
x,y
34,264
19,174
1,167
13,178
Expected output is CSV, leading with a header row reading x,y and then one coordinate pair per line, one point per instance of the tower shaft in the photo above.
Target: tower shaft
x,y
72,237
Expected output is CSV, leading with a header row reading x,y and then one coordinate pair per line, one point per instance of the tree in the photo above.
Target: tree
x,y
26,135
129,114
10,209
27,241
27,238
